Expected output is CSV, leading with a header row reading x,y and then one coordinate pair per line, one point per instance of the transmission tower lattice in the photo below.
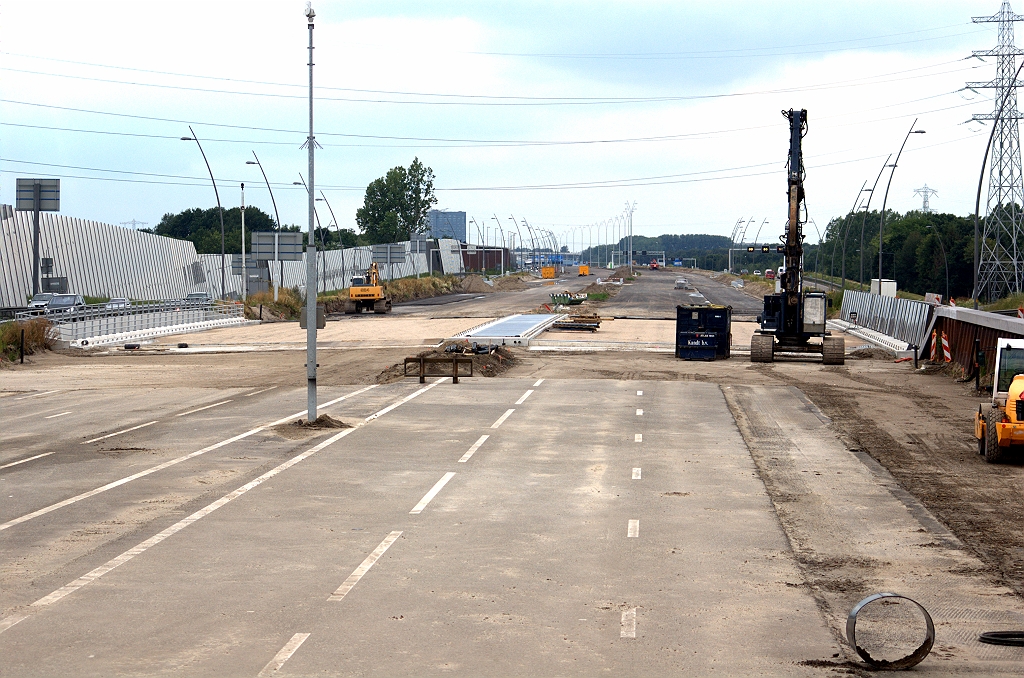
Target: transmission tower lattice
x,y
924,193
999,266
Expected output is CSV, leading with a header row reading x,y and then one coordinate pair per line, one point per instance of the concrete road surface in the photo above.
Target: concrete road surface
x,y
457,529
743,305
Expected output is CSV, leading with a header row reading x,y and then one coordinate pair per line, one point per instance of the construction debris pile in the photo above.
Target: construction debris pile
x,y
488,361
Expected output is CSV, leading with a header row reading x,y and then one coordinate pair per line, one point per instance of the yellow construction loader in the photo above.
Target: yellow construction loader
x,y
1001,426
366,293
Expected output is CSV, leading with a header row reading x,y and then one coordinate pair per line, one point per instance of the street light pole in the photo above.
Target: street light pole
x,y
220,210
629,211
864,220
245,273
881,221
938,236
277,236
310,248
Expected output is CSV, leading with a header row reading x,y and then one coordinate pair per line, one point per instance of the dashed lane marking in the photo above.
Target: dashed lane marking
x,y
638,438
433,492
633,529
354,578
538,383
22,461
636,474
525,396
127,430
200,409
283,655
54,416
381,413
502,418
469,453
110,565
639,392
36,395
260,391
639,412
627,628
166,464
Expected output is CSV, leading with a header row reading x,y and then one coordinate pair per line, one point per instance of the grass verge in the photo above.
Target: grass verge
x,y
39,336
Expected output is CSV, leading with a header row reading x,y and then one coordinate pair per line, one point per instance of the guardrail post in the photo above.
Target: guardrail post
x,y
22,347
423,373
455,369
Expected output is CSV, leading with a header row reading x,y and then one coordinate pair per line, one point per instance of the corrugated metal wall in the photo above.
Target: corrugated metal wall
x,y
904,319
103,260
99,260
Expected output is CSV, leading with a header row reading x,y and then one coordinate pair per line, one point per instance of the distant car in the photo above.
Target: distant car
x,y
65,303
197,298
744,271
769,274
40,300
682,284
117,304
654,265
757,272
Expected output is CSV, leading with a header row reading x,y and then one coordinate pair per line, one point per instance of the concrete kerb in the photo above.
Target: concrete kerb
x,y
137,335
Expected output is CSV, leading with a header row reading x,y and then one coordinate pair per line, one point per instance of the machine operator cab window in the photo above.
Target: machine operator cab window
x,y
358,281
1011,363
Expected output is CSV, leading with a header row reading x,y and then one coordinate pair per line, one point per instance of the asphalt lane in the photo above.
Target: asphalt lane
x,y
726,295
652,294
523,563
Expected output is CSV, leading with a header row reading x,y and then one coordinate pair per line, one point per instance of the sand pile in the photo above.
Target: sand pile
x,y
487,365
510,284
474,284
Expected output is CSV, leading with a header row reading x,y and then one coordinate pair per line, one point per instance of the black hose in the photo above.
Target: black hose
x,y
1014,638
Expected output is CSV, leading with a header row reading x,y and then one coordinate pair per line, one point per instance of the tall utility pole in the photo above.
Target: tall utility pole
x,y
997,252
629,212
311,248
924,193
245,273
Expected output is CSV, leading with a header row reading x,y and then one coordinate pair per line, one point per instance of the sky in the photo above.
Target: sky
x,y
557,113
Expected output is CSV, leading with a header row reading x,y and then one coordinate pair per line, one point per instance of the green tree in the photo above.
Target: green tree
x,y
396,204
202,228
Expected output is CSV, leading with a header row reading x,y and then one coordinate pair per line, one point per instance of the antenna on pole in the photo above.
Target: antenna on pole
x,y
134,224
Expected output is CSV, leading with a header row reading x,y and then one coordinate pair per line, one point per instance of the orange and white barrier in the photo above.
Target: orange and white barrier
x,y
935,348
945,349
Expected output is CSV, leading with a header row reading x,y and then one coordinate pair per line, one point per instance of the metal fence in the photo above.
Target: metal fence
x,y
903,319
98,320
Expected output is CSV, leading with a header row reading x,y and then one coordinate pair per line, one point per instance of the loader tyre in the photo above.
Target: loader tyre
x,y
762,348
993,453
833,350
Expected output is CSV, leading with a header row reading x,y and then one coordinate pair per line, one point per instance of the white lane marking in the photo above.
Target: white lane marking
x,y
433,492
283,655
11,621
639,392
200,409
15,463
634,529
356,575
639,412
95,574
539,382
120,560
54,416
36,395
636,474
166,464
127,430
525,396
381,413
502,418
638,438
271,388
627,628
469,453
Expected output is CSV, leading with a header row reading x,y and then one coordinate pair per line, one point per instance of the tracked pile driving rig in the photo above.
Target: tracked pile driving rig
x,y
793,316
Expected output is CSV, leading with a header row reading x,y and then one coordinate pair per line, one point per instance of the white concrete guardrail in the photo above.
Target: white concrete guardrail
x,y
99,324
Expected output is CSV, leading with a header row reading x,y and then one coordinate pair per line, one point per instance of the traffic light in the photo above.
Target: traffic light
x,y
781,249
765,249
750,249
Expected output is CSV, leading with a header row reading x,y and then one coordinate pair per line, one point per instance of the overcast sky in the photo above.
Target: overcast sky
x,y
554,112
